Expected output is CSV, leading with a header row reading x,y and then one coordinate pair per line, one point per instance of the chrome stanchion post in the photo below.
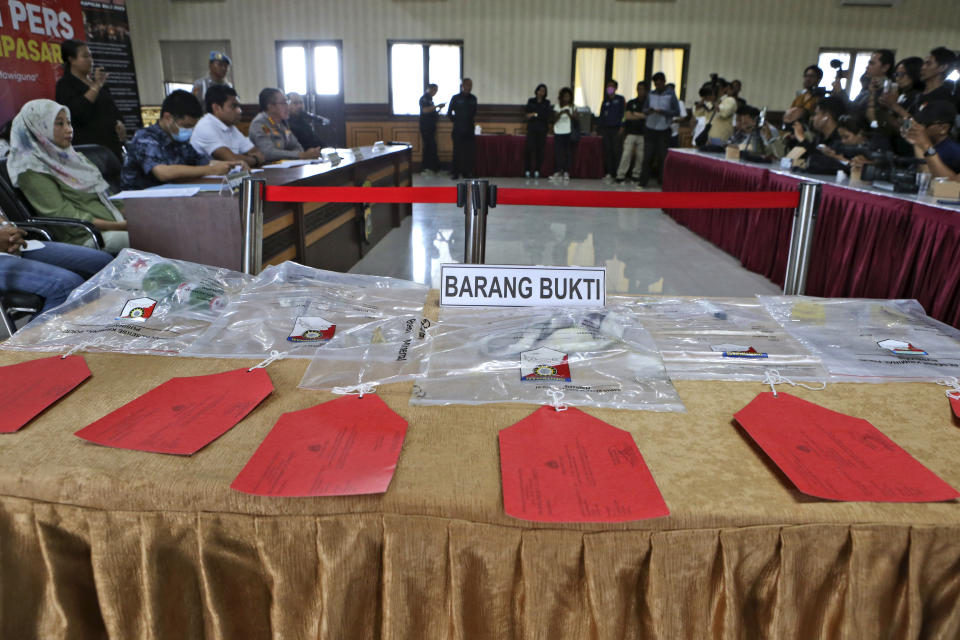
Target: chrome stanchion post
x,y
481,196
251,216
465,199
801,239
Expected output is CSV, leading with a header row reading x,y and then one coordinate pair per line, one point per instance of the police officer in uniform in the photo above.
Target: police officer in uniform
x,y
271,134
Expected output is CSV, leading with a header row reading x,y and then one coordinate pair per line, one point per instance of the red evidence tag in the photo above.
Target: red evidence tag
x,y
834,456
347,446
567,466
26,389
182,415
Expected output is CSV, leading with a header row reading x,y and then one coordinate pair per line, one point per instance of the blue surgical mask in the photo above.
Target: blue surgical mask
x,y
183,135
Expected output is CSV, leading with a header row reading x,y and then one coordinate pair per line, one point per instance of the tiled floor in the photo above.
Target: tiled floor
x,y
644,250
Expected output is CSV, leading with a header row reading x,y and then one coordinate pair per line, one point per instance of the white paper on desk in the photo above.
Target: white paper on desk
x,y
156,193
286,164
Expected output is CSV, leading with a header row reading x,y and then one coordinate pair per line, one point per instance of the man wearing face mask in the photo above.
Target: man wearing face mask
x,y
162,152
608,124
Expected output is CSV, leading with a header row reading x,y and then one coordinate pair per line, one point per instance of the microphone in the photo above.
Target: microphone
x,y
316,117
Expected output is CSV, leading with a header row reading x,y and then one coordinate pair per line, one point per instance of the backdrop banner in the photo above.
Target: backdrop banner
x,y
30,60
108,36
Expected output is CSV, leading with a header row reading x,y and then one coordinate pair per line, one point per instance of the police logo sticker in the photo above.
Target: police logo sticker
x,y
138,309
901,348
737,351
544,364
311,329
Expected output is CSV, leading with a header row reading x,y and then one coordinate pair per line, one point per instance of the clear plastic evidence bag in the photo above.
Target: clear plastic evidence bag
x,y
139,303
862,340
722,339
577,357
302,312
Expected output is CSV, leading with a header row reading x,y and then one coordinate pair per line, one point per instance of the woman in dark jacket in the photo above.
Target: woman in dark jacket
x,y
82,89
539,113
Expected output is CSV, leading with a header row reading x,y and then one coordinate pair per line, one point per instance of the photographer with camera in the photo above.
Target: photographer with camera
x,y
808,97
825,121
930,136
858,144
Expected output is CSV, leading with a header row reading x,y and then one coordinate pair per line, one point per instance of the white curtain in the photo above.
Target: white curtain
x,y
670,61
588,78
628,69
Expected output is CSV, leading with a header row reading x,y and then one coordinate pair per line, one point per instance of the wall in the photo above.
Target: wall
x,y
511,45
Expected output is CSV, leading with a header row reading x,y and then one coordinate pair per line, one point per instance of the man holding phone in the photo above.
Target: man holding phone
x,y
428,129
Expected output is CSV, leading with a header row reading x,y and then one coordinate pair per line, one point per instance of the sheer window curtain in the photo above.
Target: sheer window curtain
x,y
670,61
589,80
628,70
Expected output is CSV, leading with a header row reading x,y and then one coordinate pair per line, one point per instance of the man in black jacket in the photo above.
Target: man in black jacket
x,y
428,129
463,111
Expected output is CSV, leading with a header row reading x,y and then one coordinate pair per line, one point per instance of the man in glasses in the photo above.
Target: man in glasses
x,y
270,132
811,94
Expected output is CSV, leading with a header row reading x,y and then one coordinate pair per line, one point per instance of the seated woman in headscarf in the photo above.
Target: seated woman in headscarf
x,y
58,180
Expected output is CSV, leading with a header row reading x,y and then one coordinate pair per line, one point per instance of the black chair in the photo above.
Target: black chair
x,y
15,305
18,210
109,165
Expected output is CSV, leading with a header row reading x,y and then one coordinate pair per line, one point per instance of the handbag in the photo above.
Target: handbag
x,y
704,136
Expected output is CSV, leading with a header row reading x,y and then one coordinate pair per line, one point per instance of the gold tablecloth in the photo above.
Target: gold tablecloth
x,y
99,542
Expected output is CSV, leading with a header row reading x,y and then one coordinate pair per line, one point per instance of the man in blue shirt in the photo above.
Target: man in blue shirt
x,y
162,152
608,124
661,108
931,140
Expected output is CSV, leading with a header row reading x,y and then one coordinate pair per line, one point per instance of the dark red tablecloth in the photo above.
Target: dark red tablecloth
x,y
866,245
502,156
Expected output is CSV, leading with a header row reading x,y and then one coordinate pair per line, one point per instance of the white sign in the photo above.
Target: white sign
x,y
482,285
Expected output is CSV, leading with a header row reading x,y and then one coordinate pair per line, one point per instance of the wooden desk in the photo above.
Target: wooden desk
x,y
206,228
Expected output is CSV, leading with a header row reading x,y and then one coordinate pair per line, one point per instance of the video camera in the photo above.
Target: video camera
x,y
887,167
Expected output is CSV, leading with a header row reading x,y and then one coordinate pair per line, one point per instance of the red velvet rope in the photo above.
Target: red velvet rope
x,y
652,200
544,197
360,194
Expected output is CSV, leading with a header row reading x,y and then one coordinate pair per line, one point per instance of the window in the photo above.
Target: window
x,y
414,65
310,68
183,61
851,81
628,64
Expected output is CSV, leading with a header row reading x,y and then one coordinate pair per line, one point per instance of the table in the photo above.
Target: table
x,y
206,228
867,243
98,542
502,156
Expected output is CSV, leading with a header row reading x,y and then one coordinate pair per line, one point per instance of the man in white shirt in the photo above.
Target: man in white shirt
x,y
216,133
